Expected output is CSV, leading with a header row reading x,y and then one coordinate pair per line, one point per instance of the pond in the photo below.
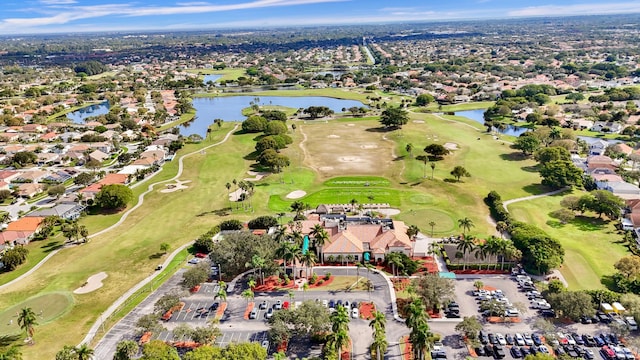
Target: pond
x,y
229,108
79,116
478,116
212,78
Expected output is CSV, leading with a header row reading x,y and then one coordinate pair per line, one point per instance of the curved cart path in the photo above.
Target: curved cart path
x,y
126,214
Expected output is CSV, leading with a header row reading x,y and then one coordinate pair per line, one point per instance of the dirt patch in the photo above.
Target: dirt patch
x,y
296,194
367,309
235,196
332,136
179,185
326,168
388,212
351,124
94,282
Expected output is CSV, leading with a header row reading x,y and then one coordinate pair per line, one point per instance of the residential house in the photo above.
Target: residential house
x,y
90,191
8,175
623,190
598,147
65,210
29,190
623,148
21,231
31,176
608,127
34,128
47,158
104,146
600,161
98,156
603,180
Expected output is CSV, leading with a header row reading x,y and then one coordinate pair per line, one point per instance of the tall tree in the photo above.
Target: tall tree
x,y
27,321
409,148
84,352
466,224
424,159
459,172
125,350
378,324
466,245
394,117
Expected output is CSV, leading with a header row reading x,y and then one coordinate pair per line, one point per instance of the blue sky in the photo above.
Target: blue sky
x,y
47,16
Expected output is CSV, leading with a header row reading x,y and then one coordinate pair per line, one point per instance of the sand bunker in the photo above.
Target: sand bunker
x,y
93,283
326,168
451,146
351,124
257,176
333,136
418,121
388,212
349,159
179,185
296,194
368,146
235,196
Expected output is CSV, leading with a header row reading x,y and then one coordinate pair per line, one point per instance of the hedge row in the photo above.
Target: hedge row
x,y
496,208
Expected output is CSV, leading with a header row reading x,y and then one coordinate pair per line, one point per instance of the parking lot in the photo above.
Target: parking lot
x,y
195,311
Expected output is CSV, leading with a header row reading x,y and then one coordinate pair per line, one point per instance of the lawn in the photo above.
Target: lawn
x,y
592,246
47,307
339,283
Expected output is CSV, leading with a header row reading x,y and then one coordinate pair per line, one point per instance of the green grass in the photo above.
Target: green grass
x,y
188,116
47,307
446,223
461,107
592,245
38,250
357,181
342,282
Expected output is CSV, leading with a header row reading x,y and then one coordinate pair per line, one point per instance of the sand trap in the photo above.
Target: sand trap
x,y
257,176
368,146
93,283
235,196
333,136
296,194
351,124
451,146
349,159
179,185
418,121
388,212
326,168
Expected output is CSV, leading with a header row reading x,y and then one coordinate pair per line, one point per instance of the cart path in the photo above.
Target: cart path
x,y
532,197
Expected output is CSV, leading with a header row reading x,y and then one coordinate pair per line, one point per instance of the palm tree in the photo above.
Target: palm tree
x,y
338,340
251,283
466,245
466,224
340,319
286,252
247,294
512,253
13,353
222,293
409,148
353,203
478,284
319,240
412,231
27,321
433,168
84,352
496,246
308,259
395,261
482,251
228,186
378,324
432,224
424,159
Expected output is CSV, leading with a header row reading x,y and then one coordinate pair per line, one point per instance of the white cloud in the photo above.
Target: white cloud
x,y
577,9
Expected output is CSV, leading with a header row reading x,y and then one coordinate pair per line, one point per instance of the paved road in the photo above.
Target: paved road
x,y
125,328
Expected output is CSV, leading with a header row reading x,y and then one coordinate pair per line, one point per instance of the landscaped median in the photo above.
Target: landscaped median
x,y
248,310
220,310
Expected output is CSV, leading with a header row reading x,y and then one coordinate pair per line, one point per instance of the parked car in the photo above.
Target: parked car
x,y
194,261
589,354
354,304
550,313
325,303
577,338
536,339
509,339
492,339
608,352
265,344
570,339
498,352
278,305
501,339
488,349
543,349
519,339
588,340
332,304
525,351
263,305
527,339
483,337
628,353
480,351
269,313
511,312
355,313
515,352
253,314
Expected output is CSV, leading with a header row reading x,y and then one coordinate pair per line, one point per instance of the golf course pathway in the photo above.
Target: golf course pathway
x,y
526,198
126,214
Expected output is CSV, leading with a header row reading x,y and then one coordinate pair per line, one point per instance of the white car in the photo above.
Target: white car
x,y
570,339
519,339
501,339
194,261
325,303
355,313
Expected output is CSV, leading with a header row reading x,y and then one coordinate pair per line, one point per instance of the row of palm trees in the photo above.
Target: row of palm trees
x,y
247,188
339,336
421,337
493,247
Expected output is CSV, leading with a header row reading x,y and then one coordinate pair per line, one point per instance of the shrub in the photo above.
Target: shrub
x,y
263,222
232,224
327,276
320,282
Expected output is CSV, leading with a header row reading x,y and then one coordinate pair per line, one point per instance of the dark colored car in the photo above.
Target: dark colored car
x,y
599,342
332,304
480,351
492,339
515,352
509,339
483,337
603,318
525,351
613,339
559,351
498,352
585,319
488,349
588,340
214,306
578,339
536,339
550,313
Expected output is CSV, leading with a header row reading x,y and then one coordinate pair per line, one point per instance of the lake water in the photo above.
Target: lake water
x,y
80,115
229,108
212,78
478,116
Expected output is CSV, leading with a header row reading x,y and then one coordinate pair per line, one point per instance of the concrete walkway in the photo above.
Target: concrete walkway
x,y
532,197
126,214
